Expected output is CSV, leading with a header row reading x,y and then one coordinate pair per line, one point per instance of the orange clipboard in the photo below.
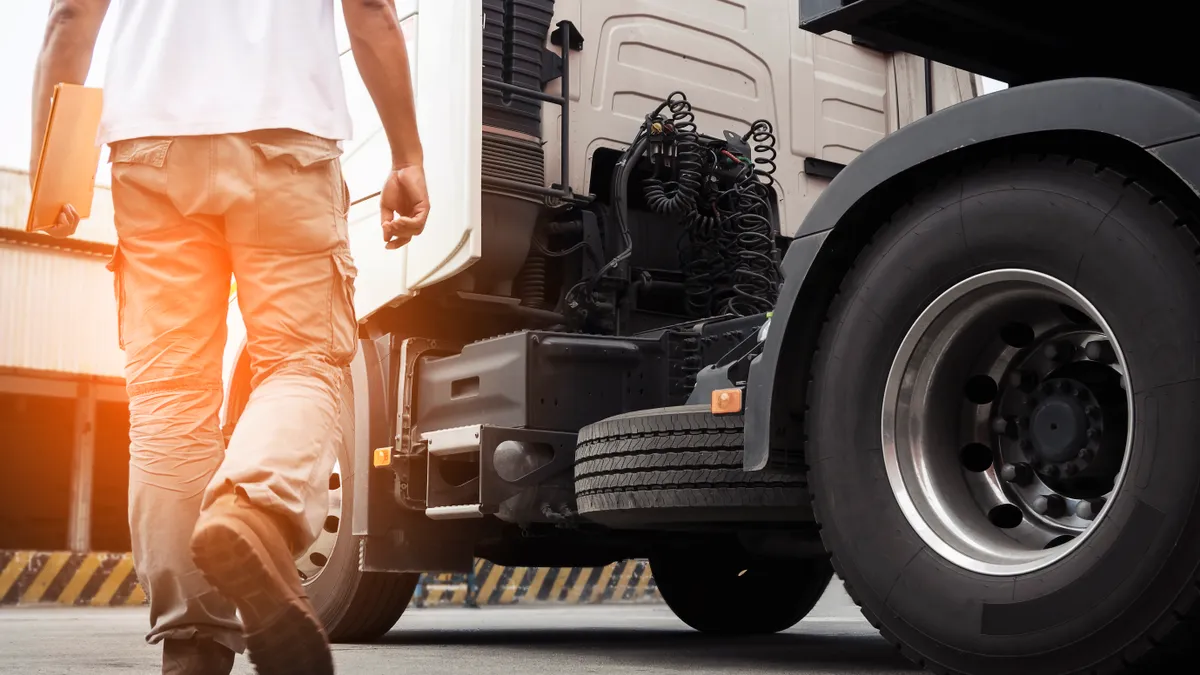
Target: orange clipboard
x,y
66,172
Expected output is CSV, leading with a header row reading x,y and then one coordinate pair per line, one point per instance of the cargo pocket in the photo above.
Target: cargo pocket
x,y
343,319
143,151
117,267
298,193
141,185
299,155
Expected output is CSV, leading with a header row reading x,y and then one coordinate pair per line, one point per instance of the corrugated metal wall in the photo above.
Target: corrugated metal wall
x,y
57,312
14,208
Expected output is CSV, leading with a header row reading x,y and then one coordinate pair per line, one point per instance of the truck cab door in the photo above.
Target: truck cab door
x,y
445,41
449,82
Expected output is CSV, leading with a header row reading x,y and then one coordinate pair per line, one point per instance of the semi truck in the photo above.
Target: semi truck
x,y
624,331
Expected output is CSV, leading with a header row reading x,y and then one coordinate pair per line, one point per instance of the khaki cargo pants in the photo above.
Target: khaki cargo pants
x,y
268,207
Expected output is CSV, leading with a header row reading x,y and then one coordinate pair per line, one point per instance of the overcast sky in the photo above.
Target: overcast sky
x,y
21,26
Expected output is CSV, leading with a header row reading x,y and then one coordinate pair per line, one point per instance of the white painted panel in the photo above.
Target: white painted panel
x,y
450,118
365,165
737,61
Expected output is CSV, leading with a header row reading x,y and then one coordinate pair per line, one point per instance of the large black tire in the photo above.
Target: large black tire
x,y
717,593
353,605
668,466
1130,595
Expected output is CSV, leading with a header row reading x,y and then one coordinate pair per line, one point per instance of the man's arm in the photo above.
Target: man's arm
x,y
382,58
66,57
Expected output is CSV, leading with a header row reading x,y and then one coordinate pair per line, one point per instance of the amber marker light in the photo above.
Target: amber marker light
x,y
726,401
382,457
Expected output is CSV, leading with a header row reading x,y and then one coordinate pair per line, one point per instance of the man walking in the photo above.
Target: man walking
x,y
224,119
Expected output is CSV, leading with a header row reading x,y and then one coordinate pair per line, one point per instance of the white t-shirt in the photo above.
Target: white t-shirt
x,y
200,67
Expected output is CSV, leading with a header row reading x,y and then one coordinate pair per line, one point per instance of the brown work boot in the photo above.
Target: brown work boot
x,y
243,553
199,656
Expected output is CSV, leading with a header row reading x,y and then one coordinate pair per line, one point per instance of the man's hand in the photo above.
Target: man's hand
x,y
66,223
403,205
382,58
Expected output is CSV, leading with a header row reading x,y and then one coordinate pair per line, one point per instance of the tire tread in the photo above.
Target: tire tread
x,y
374,607
674,458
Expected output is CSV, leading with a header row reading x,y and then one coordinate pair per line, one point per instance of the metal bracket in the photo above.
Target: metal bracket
x,y
822,168
408,455
574,40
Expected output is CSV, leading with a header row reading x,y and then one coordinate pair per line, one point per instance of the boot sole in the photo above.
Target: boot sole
x,y
283,636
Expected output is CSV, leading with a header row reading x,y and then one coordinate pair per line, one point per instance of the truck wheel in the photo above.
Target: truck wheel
x,y
1002,423
677,465
721,594
355,606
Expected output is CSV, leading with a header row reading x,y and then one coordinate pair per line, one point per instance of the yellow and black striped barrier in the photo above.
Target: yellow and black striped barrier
x,y
108,580
627,581
80,579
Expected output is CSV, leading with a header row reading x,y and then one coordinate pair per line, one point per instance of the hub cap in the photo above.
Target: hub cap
x,y
310,563
1007,422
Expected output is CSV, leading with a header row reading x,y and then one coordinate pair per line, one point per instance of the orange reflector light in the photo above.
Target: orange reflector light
x,y
383,457
726,401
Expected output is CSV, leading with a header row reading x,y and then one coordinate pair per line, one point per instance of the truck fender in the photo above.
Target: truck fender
x,y
368,375
1163,123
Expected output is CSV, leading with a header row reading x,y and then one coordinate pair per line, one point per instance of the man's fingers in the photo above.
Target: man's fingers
x,y
65,224
421,213
403,226
410,225
397,242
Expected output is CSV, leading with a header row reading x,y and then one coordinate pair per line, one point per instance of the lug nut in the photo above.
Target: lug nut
x,y
1050,471
1018,473
1102,351
1023,380
1093,433
1086,454
1089,509
1004,426
1092,411
1051,506
1059,351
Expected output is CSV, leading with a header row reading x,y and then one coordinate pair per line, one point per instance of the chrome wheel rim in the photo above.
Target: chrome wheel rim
x,y
1007,422
313,560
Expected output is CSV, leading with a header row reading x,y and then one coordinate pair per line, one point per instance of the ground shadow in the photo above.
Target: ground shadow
x,y
826,648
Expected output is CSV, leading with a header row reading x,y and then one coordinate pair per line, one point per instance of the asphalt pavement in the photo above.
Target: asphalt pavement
x,y
557,640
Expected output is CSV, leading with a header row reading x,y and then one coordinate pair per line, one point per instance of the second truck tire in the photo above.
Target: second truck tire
x,y
677,465
354,606
724,593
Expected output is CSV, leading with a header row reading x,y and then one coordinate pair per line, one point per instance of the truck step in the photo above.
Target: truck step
x,y
459,512
468,474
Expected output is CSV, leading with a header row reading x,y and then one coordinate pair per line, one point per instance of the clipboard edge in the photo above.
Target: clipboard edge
x,y
37,177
